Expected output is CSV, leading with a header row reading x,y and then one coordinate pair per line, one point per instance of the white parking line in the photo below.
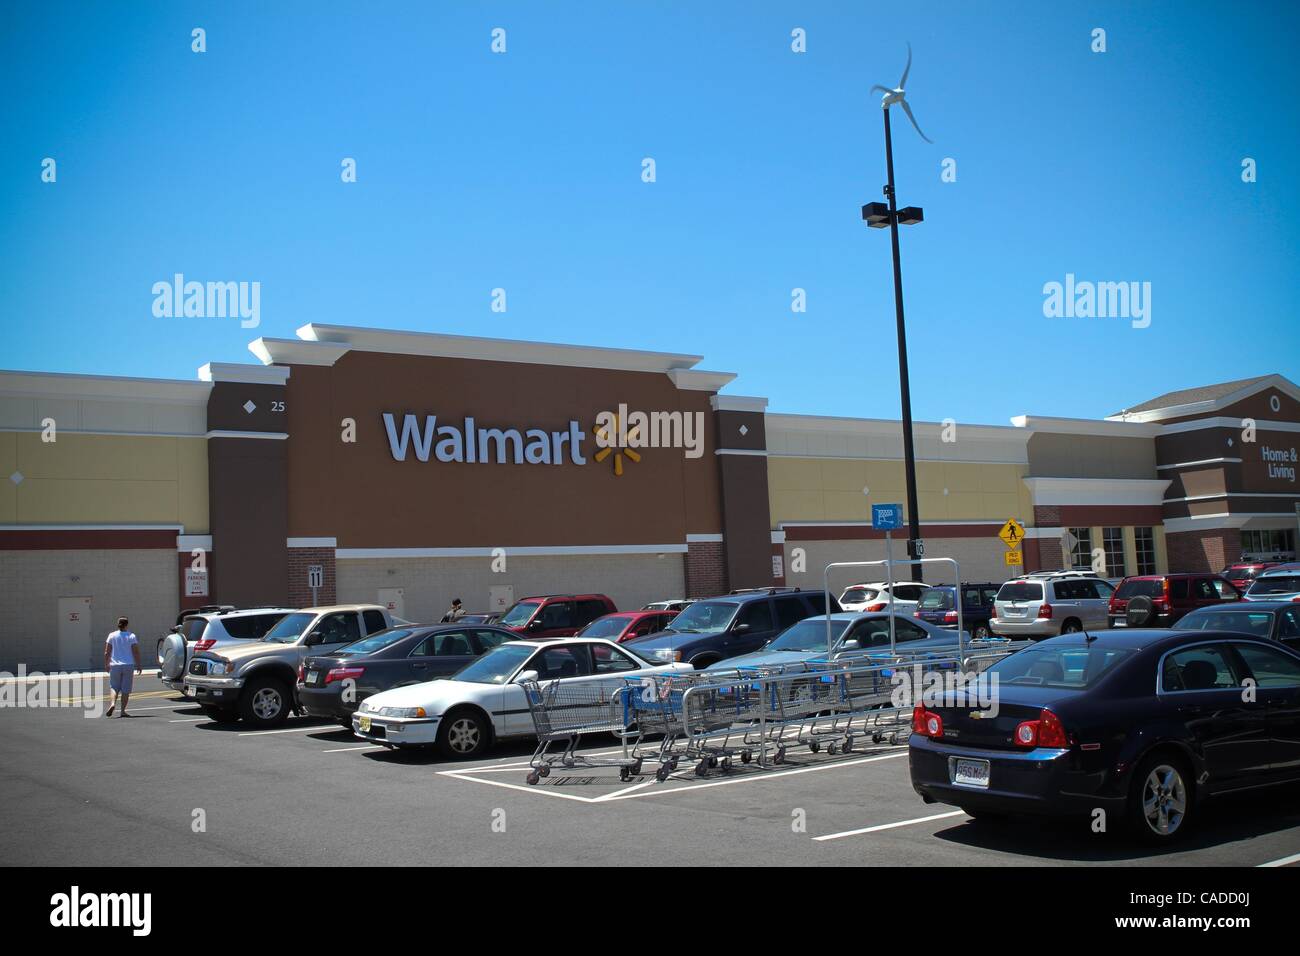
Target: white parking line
x,y
1285,861
348,750
290,730
889,826
544,791
187,720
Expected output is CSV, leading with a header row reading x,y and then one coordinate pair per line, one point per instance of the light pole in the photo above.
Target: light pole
x,y
878,215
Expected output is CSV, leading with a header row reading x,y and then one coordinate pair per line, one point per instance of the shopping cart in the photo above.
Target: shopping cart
x,y
565,711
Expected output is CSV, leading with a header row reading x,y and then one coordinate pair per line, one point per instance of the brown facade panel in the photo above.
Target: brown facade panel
x,y
87,540
248,501
746,521
238,406
1090,456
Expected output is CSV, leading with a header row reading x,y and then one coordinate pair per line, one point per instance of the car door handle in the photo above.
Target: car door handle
x,y
419,666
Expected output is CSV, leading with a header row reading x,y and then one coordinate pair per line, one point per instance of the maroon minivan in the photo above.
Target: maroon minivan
x,y
555,615
1159,600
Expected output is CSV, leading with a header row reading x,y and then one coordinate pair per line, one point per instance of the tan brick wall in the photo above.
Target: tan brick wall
x,y
138,584
980,559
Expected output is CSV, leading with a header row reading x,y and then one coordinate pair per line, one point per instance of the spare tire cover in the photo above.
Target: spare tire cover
x,y
1141,612
173,656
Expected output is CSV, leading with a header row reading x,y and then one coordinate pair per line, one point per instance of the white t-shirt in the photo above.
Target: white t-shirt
x,y
121,643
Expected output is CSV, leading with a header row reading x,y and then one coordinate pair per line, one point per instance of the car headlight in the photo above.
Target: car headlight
x,y
219,668
668,654
402,712
367,707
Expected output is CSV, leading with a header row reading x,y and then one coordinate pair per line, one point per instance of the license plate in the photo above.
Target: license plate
x,y
364,723
1119,622
191,690
313,677
970,773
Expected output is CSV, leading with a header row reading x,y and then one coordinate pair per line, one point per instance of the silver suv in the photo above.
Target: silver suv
x,y
1049,603
213,630
255,681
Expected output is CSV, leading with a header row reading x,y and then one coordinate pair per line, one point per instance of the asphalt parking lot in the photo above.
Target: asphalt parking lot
x,y
94,792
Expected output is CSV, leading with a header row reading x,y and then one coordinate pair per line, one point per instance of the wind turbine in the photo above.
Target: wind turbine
x,y
899,95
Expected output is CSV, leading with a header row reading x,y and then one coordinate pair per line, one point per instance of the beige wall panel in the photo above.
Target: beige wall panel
x,y
8,453
96,501
980,560
97,456
192,472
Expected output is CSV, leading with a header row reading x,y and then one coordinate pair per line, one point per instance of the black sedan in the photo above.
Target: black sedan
x,y
334,686
1142,724
1278,620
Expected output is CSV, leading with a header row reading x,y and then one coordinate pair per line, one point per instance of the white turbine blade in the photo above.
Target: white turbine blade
x,y
881,89
902,84
908,110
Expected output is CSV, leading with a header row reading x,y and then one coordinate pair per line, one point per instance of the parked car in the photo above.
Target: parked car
x,y
210,630
392,658
1281,583
555,615
875,596
1049,603
938,605
1242,574
255,681
465,714
469,619
1144,724
854,634
717,628
672,604
626,625
1277,620
1161,600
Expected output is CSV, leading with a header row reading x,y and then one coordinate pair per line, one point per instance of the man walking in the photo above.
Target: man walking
x,y
121,654
454,613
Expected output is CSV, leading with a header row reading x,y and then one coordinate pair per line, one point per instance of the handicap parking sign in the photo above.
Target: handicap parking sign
x,y
886,517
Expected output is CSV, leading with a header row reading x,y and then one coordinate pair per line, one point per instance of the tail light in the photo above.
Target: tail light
x,y
1162,603
204,644
950,617
1046,731
343,673
302,674
926,722
1045,610
916,614
879,606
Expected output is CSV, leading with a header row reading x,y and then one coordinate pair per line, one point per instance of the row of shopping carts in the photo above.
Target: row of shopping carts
x,y
714,719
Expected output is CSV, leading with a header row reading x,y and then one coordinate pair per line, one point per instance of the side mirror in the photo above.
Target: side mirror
x,y
526,676
535,624
740,629
314,638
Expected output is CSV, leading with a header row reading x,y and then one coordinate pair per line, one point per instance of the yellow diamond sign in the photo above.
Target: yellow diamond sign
x,y
1012,533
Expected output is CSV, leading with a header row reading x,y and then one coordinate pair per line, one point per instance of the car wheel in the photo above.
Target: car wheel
x,y
1161,798
700,663
463,734
220,715
345,723
265,702
981,632
1071,627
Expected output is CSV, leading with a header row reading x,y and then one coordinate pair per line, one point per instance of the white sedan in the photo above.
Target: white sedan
x,y
464,714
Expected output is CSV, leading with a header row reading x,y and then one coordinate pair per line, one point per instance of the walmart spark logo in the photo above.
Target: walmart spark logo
x,y
617,441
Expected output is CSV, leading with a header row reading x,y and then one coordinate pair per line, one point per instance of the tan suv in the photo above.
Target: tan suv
x,y
255,681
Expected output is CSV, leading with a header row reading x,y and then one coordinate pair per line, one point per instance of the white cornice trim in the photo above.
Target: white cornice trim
x,y
1225,422
495,350
1085,426
1274,381
1240,494
699,380
296,352
703,538
778,537
273,436
344,554
106,433
753,452
312,542
1097,491
248,374
185,543
114,388
1197,464
738,403
885,427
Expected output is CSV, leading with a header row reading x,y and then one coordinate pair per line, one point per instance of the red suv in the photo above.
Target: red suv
x,y
1159,600
555,615
1243,574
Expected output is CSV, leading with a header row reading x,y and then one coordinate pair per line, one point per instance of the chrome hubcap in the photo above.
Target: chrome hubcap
x,y
266,703
463,735
1164,800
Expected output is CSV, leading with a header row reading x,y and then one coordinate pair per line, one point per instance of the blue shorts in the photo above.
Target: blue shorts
x,y
121,677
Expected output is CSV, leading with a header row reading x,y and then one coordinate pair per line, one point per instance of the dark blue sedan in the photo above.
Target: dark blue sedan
x,y
1144,725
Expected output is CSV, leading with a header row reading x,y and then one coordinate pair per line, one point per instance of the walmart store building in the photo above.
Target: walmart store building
x,y
409,468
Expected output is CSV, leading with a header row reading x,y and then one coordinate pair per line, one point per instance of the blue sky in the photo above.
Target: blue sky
x,y
523,171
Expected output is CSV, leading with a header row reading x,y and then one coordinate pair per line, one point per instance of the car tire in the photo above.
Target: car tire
x,y
1071,626
463,734
981,632
1162,799
265,702
700,663
219,715
345,723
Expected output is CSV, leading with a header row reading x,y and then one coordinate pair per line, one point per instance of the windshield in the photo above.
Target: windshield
x,y
936,599
518,615
1021,591
375,642
289,628
857,595
496,666
1148,588
705,617
807,635
604,627
1259,623
1072,667
1275,584
1239,574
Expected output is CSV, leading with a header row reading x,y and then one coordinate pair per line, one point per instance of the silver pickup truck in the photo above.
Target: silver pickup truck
x,y
254,681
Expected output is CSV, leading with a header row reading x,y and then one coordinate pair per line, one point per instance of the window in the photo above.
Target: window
x,y
1268,544
374,621
875,632
1204,667
1145,540
558,616
1224,590
1081,553
789,611
490,639
1018,591
553,663
607,660
1288,629
908,592
1067,666
1270,667
376,642
339,628
1112,542
588,611
1204,590
818,601
757,615
444,644
1178,588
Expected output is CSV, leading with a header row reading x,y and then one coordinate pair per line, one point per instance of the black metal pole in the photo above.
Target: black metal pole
x,y
909,453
